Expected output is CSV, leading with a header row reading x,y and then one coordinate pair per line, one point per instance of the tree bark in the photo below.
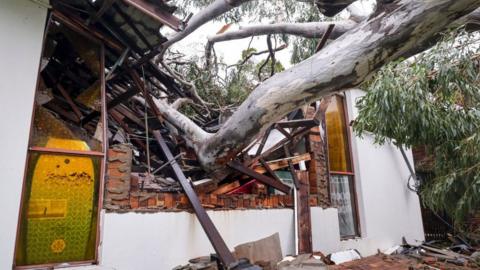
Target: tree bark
x,y
307,30
402,30
315,29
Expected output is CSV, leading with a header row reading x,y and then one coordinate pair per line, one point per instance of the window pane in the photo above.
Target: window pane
x,y
338,147
59,214
49,131
342,199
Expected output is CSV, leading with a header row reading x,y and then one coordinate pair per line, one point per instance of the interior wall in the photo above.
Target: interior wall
x,y
22,24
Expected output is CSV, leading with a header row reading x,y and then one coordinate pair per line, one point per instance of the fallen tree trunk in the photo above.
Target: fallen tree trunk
x,y
401,29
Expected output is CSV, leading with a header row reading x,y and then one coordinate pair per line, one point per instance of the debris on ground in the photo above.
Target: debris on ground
x,y
266,252
345,256
413,257
303,261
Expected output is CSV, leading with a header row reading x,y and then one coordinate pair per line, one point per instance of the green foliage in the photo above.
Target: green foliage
x,y
433,100
253,11
305,47
225,87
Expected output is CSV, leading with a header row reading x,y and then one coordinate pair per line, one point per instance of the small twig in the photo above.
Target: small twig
x,y
256,54
272,55
261,68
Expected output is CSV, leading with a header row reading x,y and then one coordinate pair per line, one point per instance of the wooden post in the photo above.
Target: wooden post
x,y
303,214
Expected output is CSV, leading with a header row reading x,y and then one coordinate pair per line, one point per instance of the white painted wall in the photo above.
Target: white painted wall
x,y
165,240
22,25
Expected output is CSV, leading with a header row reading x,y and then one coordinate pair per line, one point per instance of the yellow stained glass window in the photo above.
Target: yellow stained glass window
x,y
338,145
60,208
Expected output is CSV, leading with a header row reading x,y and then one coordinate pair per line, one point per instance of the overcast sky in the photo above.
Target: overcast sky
x,y
231,51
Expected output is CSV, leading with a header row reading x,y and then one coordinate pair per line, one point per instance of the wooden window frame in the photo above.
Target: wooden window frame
x,y
36,149
351,174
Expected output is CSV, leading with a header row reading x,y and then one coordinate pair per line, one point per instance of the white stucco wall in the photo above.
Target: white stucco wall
x,y
165,240
22,25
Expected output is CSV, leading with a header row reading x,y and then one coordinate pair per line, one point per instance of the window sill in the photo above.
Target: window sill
x,y
347,238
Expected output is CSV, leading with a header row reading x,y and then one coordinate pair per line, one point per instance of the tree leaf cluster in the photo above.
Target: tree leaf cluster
x,y
433,100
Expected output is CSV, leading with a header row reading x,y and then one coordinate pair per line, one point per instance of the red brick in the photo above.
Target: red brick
x,y
213,199
143,203
313,201
169,201
134,203
275,201
152,202
220,202
240,203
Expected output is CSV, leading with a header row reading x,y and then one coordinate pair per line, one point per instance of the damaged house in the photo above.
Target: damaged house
x,y
94,173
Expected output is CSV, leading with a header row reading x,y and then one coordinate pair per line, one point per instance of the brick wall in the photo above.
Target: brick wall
x,y
123,192
117,180
317,167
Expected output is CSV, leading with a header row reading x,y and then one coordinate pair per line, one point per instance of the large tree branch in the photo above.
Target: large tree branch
x,y
215,9
314,29
472,21
405,28
307,30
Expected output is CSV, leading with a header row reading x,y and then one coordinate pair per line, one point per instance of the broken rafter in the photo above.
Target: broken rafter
x,y
77,24
132,25
238,166
119,119
298,123
226,188
130,115
157,13
212,233
281,163
264,140
279,144
65,95
269,170
284,132
96,16
69,101
59,110
111,104
141,86
296,182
